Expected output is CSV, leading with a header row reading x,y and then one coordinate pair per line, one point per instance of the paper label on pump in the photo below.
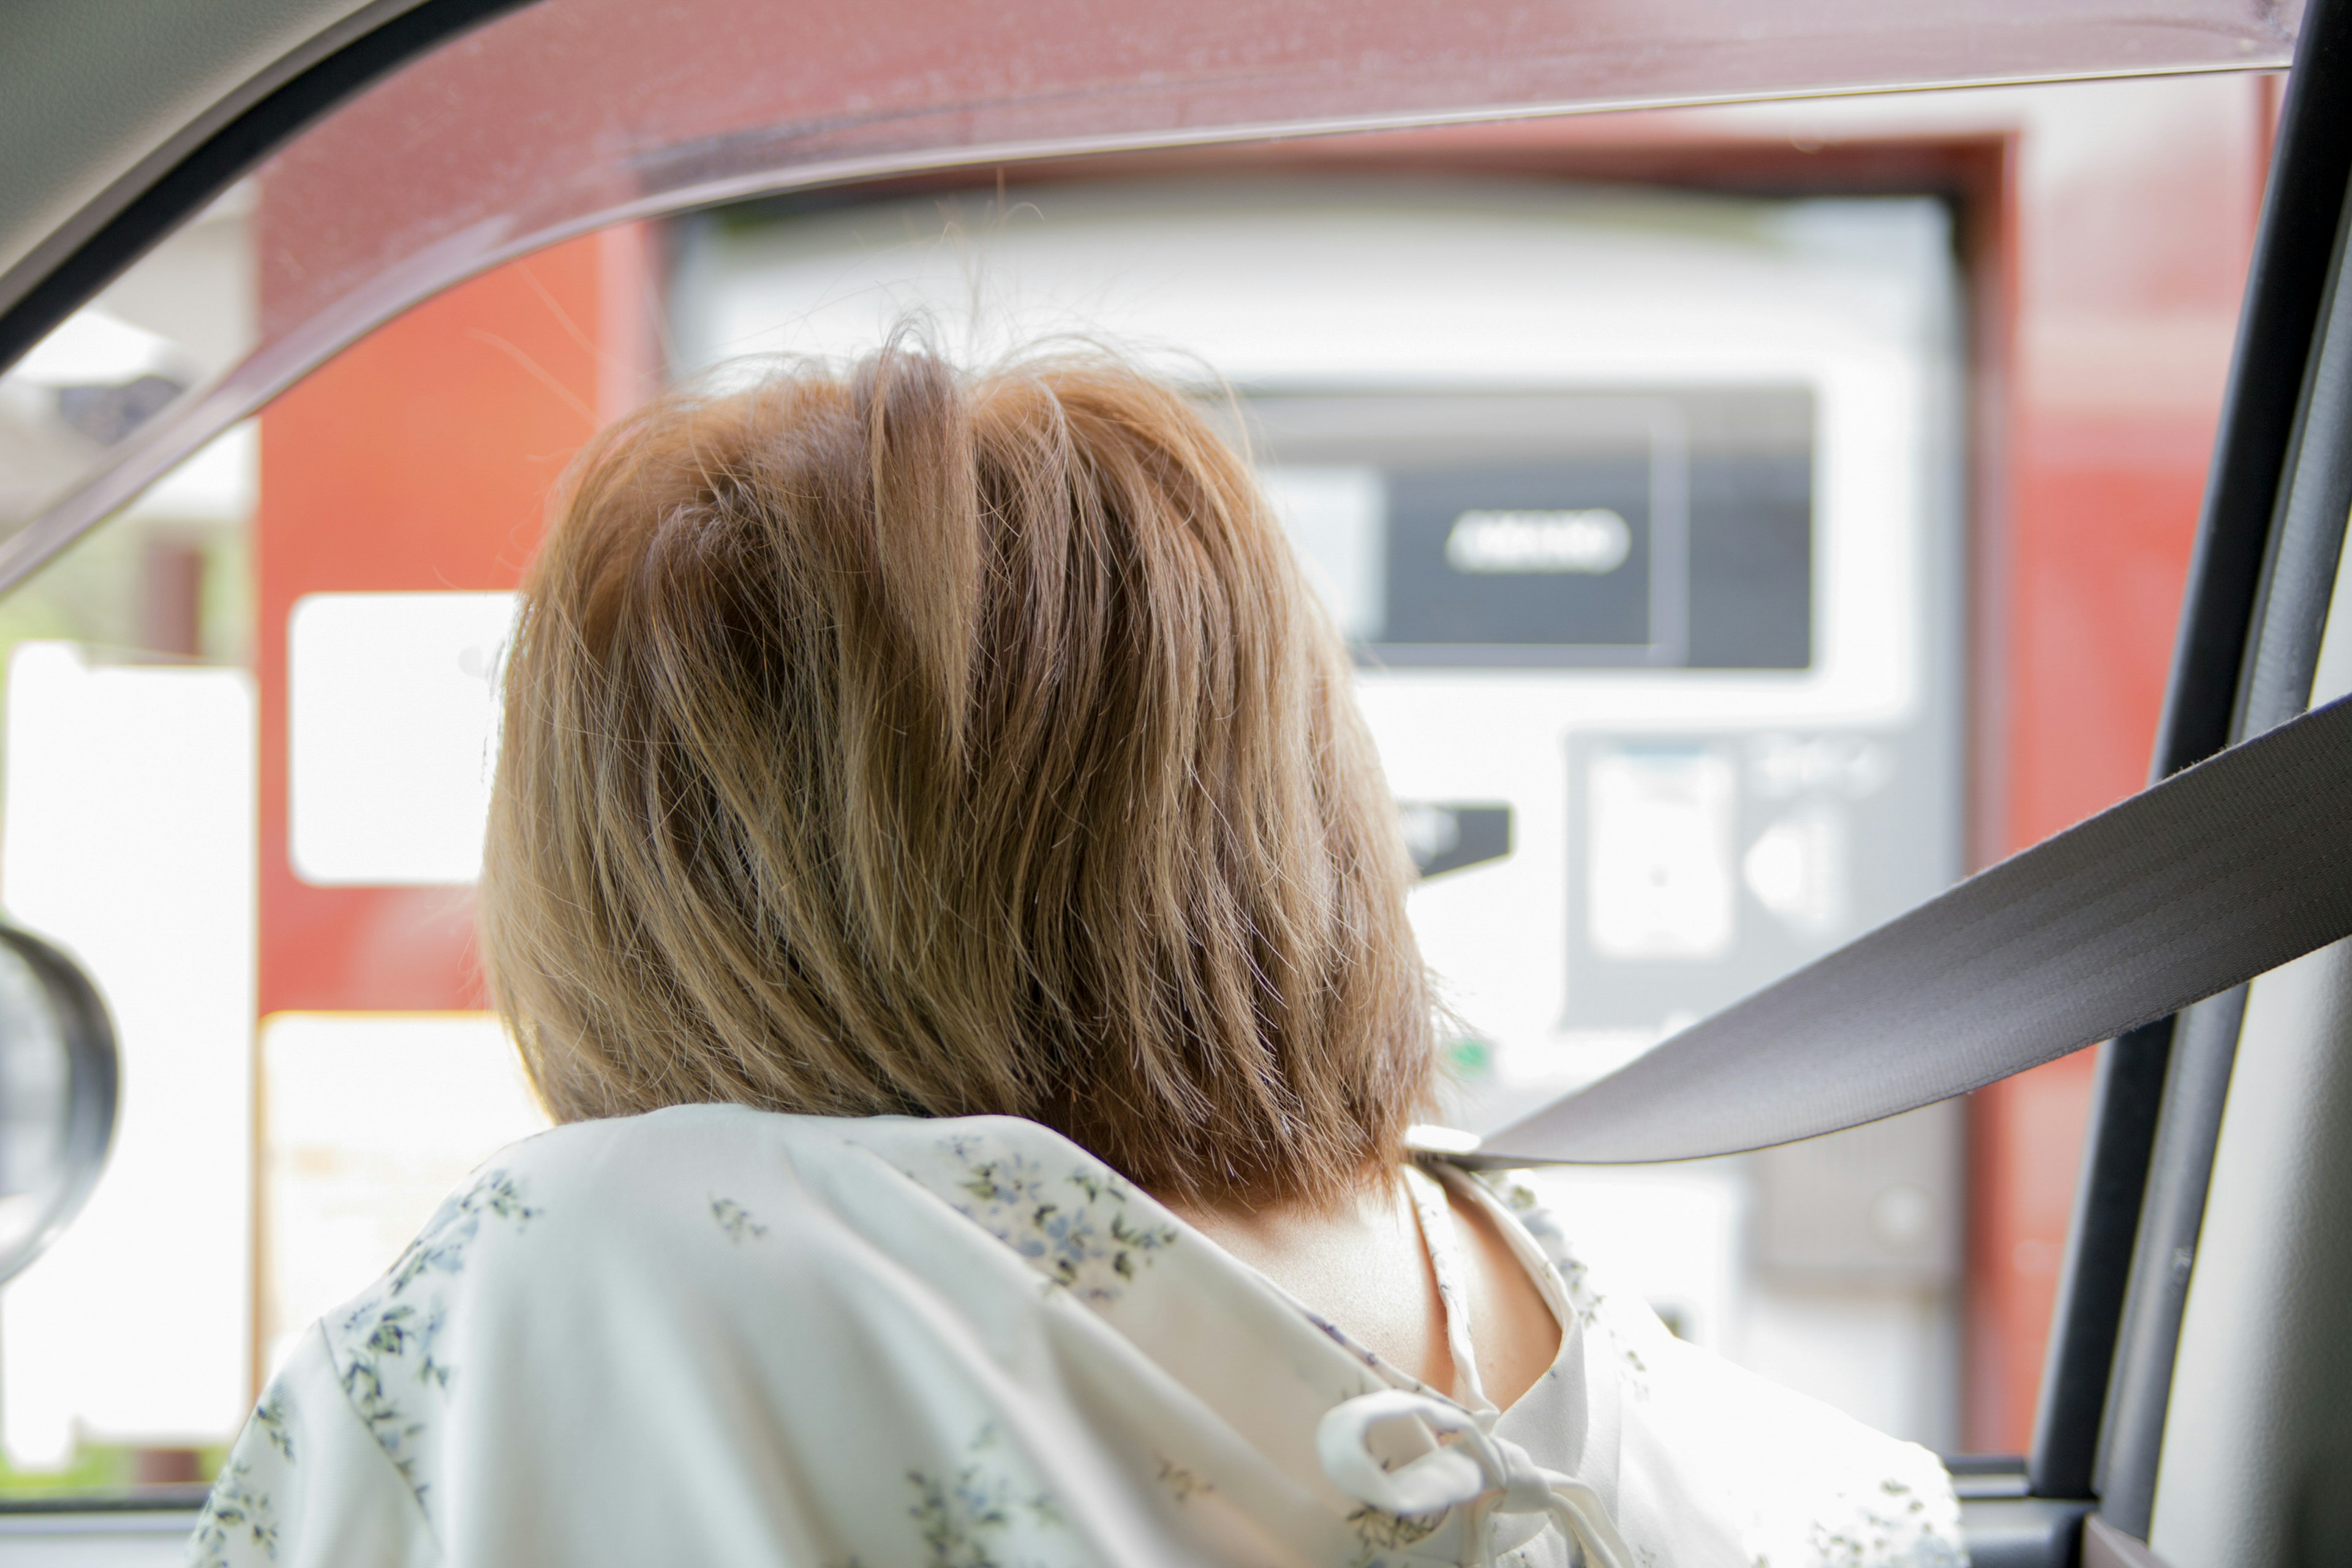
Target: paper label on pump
x,y
1660,883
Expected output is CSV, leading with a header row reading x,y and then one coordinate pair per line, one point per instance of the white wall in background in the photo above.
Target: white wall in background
x,y
129,839
391,735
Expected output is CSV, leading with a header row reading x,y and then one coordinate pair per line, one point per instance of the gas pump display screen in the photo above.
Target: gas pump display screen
x,y
1525,556
1664,528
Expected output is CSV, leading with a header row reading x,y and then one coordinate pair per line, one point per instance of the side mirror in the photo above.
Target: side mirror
x,y
58,1083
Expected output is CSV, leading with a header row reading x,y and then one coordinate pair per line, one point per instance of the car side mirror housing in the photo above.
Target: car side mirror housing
x,y
59,1077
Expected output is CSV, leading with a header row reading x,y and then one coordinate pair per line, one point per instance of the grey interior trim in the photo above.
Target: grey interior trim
x,y
106,95
2171,1220
2186,889
96,1538
2105,1546
1986,1475
87,1517
2255,1469
94,246
2104,1228
2020,1533
2299,569
2255,1461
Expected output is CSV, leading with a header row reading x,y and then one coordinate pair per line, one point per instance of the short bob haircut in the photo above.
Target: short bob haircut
x,y
909,741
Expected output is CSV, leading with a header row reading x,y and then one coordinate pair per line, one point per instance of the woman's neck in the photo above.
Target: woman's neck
x,y
1363,1264
1359,1263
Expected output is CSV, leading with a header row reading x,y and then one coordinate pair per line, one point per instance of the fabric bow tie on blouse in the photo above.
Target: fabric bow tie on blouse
x,y
1492,1475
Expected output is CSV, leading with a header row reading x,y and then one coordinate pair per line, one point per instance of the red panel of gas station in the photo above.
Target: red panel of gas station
x,y
419,460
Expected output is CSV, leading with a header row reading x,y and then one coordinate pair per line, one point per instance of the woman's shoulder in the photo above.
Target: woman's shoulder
x,y
654,1190
678,1138
622,1184
587,1289
682,1142
609,1243
605,1177
1709,1450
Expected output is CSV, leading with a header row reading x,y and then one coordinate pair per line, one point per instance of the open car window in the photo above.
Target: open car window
x,y
1750,518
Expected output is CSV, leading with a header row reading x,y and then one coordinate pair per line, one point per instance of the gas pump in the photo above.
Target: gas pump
x,y
1641,511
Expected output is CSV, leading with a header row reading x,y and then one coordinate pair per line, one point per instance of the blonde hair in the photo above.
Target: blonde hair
x,y
909,741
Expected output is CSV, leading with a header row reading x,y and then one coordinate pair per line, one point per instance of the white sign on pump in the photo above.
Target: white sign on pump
x,y
391,735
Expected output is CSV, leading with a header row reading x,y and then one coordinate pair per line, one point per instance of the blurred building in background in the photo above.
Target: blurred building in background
x,y
1749,520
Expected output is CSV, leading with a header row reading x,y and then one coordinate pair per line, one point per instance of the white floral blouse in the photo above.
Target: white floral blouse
x,y
718,1336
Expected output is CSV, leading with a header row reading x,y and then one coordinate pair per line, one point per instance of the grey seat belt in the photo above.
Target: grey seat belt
x,y
2218,874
